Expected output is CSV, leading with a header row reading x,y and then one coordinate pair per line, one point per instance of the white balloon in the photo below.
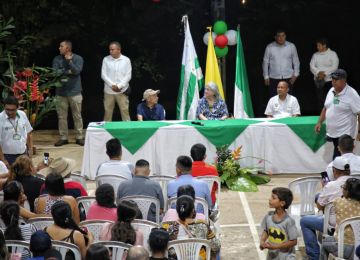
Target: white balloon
x,y
232,37
206,37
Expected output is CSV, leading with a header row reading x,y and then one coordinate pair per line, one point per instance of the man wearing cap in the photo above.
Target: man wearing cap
x,y
150,109
331,191
116,74
283,104
341,110
64,166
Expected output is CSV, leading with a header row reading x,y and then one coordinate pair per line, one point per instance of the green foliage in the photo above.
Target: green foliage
x,y
234,176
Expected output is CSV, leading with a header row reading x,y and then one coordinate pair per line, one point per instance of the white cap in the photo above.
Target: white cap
x,y
341,163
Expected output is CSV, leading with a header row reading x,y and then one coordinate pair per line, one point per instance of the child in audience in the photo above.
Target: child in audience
x,y
346,207
122,230
104,207
158,242
279,231
40,242
97,252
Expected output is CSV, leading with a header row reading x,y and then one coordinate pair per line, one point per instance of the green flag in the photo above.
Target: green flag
x,y
242,100
191,80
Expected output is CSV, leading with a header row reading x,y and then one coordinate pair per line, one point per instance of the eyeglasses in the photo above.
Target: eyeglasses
x,y
10,110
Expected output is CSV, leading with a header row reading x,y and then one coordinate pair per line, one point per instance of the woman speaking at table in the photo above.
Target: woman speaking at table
x,y
211,106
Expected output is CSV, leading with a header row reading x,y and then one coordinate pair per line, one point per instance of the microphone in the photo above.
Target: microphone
x,y
197,123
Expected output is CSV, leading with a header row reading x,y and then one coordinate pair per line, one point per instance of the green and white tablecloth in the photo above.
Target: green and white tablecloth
x,y
287,145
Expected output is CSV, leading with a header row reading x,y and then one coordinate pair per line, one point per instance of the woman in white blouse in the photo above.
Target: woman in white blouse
x,y
322,64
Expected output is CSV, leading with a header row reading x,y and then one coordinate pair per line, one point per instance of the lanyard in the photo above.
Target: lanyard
x,y
14,126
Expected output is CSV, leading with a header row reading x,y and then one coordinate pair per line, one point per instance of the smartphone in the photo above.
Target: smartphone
x,y
325,177
46,159
85,229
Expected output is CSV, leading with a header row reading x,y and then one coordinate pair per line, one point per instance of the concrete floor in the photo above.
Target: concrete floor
x,y
241,213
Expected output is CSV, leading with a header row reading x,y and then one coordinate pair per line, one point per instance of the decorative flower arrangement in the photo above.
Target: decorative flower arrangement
x,y
31,86
233,175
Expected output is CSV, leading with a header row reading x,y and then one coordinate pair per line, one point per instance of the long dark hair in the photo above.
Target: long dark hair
x,y
10,212
61,213
185,207
12,190
3,247
122,230
54,184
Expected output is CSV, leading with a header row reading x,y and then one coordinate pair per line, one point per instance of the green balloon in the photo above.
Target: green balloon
x,y
220,27
221,52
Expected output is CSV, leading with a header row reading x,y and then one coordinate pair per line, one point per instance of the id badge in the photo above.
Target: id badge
x,y
336,101
16,137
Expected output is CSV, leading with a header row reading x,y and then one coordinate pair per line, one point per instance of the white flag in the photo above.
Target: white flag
x,y
191,78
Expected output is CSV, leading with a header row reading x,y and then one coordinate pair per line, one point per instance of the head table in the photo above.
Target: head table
x,y
288,145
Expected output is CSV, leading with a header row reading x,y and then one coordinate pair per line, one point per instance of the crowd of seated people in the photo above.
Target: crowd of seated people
x,y
27,196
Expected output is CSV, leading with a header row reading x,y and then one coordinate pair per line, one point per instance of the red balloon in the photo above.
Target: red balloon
x,y
221,41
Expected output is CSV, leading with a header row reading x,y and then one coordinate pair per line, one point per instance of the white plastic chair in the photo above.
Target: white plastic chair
x,y
16,246
116,248
199,203
76,176
145,227
41,222
85,202
327,210
144,203
63,247
112,179
94,226
355,225
163,180
189,249
211,180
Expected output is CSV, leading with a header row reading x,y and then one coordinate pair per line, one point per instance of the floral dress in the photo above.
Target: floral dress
x,y
196,229
217,111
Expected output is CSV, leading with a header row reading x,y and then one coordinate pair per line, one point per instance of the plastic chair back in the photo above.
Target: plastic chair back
x,y
41,222
76,176
355,225
112,179
211,180
16,246
163,180
84,202
145,227
63,247
94,226
189,249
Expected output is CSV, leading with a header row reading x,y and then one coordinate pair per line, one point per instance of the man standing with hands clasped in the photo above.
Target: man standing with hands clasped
x,y
70,65
341,110
116,73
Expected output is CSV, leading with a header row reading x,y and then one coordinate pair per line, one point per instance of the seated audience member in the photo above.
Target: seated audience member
x,y
122,230
66,229
53,254
346,207
211,106
40,242
104,207
23,171
54,184
140,184
115,165
158,242
10,214
346,147
331,191
64,166
137,253
14,191
187,227
183,171
149,109
357,252
3,248
171,214
283,104
200,168
97,252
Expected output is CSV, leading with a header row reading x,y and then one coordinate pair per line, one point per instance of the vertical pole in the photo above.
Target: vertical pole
x,y
218,13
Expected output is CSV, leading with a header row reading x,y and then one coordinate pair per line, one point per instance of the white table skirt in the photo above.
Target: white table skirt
x,y
282,150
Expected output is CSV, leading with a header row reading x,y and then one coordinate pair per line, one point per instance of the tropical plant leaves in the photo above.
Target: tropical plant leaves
x,y
241,183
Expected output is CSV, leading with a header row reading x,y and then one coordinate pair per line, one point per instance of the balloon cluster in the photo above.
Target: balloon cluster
x,y
222,37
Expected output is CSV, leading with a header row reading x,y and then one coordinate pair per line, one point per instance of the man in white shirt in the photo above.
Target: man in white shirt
x,y
341,110
283,104
281,62
116,73
346,147
115,165
15,129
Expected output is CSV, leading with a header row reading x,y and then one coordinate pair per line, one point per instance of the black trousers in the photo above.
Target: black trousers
x,y
335,141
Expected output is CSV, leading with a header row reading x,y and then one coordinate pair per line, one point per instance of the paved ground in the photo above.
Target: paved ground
x,y
241,213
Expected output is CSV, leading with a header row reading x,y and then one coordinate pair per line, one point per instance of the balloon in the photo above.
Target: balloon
x,y
232,37
220,27
221,52
221,41
206,37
